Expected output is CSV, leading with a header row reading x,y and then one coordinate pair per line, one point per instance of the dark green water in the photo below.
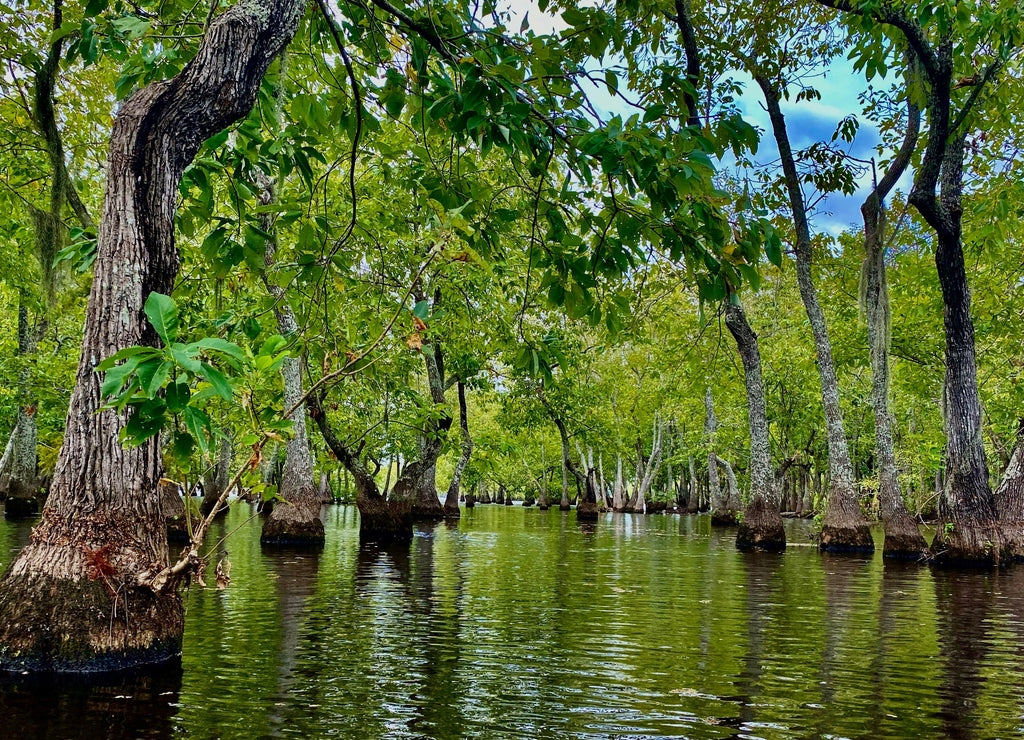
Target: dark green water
x,y
518,624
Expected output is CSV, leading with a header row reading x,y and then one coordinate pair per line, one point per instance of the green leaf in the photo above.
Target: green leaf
x,y
421,309
177,396
220,345
153,373
115,377
273,345
138,352
216,378
94,7
185,360
182,448
198,424
162,312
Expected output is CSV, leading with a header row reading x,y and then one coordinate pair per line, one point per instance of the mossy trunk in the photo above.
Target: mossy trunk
x,y
903,538
844,527
761,528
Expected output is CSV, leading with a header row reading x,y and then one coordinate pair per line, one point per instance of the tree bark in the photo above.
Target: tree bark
x,y
71,601
451,501
693,502
380,518
1009,498
844,528
421,491
761,527
903,539
22,484
295,519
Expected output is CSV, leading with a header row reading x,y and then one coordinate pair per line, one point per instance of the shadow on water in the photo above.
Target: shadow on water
x,y
963,603
129,706
296,584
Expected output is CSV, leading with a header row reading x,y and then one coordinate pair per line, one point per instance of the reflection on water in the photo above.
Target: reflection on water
x,y
518,623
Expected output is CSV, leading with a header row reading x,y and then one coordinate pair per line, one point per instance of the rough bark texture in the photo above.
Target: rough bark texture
x,y
422,494
451,500
295,519
761,528
969,529
903,538
586,509
22,484
380,518
844,528
71,600
1009,497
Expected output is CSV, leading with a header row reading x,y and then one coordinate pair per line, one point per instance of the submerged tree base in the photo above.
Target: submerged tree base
x,y
854,538
904,541
971,544
586,511
725,518
384,521
294,525
50,625
761,528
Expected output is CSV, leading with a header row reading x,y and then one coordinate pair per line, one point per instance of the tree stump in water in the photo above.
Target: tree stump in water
x,y
761,529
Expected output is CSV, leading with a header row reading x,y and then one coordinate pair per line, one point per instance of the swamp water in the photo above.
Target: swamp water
x,y
518,624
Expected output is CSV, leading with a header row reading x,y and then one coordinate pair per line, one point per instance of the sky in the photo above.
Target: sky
x,y
807,122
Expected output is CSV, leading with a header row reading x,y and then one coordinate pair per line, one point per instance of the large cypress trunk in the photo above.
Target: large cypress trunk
x,y
903,539
74,599
761,528
969,528
844,528
586,509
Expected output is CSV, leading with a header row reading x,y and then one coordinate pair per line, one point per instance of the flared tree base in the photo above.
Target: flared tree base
x,y
971,544
761,528
853,539
426,511
763,538
294,525
85,626
1013,539
586,511
384,521
725,518
904,541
